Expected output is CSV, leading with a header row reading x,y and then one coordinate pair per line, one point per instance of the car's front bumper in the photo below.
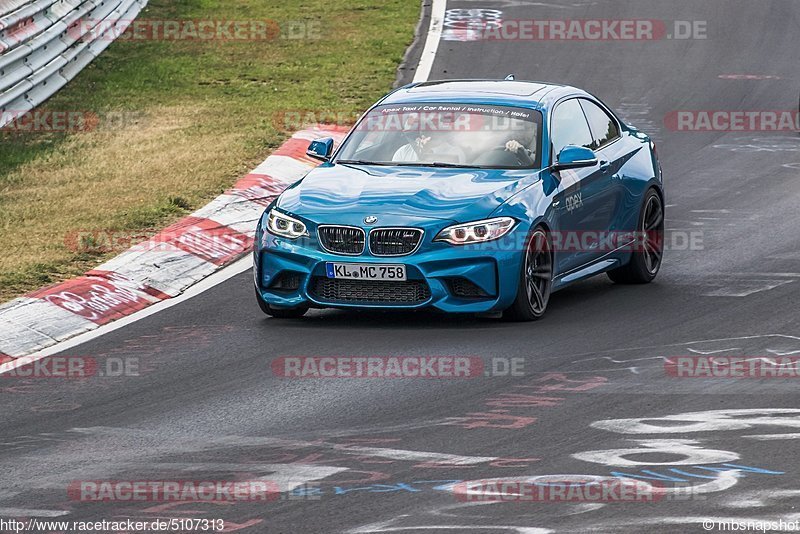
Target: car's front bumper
x,y
491,277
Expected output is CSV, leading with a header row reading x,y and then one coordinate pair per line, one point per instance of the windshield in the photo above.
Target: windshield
x,y
446,135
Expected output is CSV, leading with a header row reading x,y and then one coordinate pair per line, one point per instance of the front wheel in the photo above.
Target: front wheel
x,y
536,280
649,251
280,313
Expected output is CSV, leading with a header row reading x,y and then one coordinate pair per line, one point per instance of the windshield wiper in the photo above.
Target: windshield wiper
x,y
431,164
450,165
360,162
440,164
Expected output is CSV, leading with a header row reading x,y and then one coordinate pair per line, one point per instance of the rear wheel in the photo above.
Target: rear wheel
x,y
280,313
649,251
536,280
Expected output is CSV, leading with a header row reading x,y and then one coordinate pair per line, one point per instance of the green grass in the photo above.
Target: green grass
x,y
181,121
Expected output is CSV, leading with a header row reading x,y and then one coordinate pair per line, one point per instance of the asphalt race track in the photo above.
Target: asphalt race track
x,y
382,455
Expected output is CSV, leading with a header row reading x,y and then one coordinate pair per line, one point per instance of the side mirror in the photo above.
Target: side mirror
x,y
321,149
575,157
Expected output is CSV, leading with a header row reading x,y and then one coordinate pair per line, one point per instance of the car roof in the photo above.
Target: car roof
x,y
537,95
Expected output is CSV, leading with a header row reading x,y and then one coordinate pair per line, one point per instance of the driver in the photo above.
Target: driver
x,y
524,155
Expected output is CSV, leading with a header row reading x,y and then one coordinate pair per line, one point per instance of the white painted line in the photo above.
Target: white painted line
x,y
744,288
377,452
706,352
215,279
772,437
286,476
190,443
431,41
711,211
385,527
28,512
417,456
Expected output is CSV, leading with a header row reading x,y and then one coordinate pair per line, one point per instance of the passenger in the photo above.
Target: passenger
x,y
431,149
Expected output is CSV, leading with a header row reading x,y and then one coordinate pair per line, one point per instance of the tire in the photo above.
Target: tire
x,y
280,313
648,253
536,279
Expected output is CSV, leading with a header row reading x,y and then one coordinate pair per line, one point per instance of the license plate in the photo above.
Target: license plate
x,y
365,271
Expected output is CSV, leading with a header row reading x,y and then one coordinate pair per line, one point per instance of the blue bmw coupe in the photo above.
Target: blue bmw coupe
x,y
469,196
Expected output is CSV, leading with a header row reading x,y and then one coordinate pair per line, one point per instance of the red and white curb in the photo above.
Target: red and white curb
x,y
163,267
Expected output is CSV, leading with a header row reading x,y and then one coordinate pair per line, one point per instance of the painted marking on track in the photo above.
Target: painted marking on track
x,y
762,144
780,337
416,456
690,449
613,526
705,421
760,499
469,24
711,211
265,441
742,288
748,77
774,344
773,437
386,526
287,476
30,512
698,351
737,470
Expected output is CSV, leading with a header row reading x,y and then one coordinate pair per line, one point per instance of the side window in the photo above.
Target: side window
x,y
604,128
367,141
569,127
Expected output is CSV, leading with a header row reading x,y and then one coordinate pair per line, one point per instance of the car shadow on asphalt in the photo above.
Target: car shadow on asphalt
x,y
584,298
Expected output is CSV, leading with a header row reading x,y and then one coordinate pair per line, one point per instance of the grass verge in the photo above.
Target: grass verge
x,y
181,120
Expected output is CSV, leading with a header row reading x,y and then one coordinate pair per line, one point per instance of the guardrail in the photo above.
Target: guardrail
x,y
46,43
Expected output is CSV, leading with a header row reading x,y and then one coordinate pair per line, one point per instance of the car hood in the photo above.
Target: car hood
x,y
450,194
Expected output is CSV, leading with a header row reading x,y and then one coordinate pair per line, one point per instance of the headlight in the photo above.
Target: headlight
x,y
476,232
282,225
